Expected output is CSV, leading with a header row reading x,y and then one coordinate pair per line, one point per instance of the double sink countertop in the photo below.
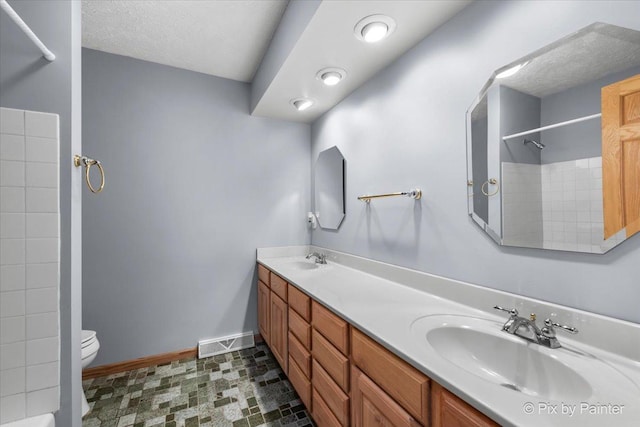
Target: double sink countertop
x,y
592,380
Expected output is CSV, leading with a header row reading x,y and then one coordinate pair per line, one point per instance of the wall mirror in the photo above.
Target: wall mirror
x,y
329,188
553,145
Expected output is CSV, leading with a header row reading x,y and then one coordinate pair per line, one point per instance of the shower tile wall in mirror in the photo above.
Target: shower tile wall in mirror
x,y
537,134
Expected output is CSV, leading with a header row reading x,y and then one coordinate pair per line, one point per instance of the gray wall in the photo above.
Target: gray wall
x,y
406,128
194,186
580,140
518,112
28,81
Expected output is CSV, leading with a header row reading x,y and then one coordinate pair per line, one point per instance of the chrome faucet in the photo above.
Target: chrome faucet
x,y
320,258
527,328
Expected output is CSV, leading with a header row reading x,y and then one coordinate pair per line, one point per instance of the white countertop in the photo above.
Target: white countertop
x,y
384,301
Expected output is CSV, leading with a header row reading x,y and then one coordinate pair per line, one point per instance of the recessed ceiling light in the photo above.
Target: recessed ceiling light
x,y
374,32
301,104
331,76
511,71
374,28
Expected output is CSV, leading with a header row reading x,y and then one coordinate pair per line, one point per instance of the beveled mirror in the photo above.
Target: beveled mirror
x,y
329,188
553,145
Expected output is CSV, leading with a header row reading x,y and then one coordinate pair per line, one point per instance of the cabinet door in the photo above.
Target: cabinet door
x,y
264,323
278,333
448,410
371,406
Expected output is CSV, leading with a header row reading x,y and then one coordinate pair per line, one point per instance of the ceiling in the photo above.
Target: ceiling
x,y
593,52
230,38
225,38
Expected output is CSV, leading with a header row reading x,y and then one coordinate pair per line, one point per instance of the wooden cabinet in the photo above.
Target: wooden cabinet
x,y
344,377
263,274
300,328
336,400
278,286
331,326
273,314
321,413
330,364
451,411
408,386
264,311
372,407
300,344
332,360
300,303
279,330
300,382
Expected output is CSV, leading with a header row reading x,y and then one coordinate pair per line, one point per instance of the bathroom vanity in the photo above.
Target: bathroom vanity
x,y
368,343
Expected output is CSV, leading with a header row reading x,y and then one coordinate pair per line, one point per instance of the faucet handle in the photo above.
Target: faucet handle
x,y
512,311
549,323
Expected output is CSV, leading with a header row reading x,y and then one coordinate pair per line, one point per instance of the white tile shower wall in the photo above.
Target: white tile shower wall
x,y
555,206
521,205
29,259
572,206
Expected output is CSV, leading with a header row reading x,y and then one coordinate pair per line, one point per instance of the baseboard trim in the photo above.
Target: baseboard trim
x,y
146,361
141,362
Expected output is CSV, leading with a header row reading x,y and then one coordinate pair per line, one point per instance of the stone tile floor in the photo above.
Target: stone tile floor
x,y
243,388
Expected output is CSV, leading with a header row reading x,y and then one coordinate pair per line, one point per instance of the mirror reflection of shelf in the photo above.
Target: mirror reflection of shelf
x,y
556,125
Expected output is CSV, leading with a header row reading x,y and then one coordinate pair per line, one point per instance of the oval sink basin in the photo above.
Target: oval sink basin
x,y
302,265
479,347
512,364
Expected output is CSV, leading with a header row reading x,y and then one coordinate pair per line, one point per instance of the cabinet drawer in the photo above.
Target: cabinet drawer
x,y
331,326
334,397
322,415
263,274
300,302
300,382
371,406
450,410
334,362
300,355
406,385
279,286
300,329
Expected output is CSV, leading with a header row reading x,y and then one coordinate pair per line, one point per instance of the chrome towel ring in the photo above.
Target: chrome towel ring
x,y
79,161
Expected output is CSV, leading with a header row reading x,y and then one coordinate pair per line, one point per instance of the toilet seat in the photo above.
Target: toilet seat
x,y
90,345
90,350
88,337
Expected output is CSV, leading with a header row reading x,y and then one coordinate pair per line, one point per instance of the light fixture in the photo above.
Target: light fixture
x,y
301,104
510,71
374,28
374,32
331,76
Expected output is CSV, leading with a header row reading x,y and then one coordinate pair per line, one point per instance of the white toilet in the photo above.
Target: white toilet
x,y
90,347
